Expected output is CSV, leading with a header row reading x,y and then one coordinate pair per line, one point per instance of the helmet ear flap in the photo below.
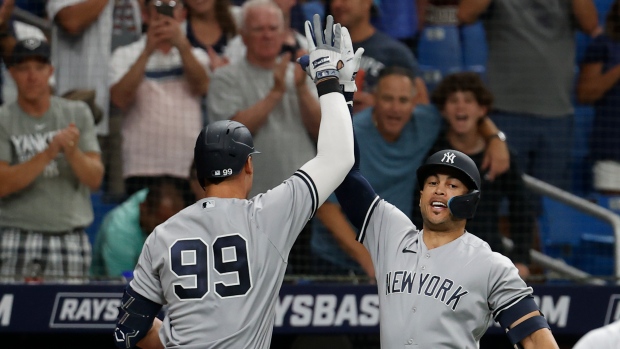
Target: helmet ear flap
x,y
464,206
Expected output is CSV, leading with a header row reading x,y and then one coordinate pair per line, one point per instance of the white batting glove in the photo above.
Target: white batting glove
x,y
351,62
325,58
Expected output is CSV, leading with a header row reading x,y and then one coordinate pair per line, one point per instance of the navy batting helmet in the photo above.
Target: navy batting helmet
x,y
222,149
462,206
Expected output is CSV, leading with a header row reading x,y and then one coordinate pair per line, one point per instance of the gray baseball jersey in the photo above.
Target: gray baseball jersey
x,y
445,297
219,265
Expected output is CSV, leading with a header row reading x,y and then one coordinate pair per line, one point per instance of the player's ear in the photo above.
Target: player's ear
x,y
249,166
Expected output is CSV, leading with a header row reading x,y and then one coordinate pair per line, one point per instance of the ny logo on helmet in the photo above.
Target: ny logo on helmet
x,y
448,157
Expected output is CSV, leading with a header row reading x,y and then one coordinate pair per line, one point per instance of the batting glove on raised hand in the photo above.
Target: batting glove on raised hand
x,y
351,62
325,58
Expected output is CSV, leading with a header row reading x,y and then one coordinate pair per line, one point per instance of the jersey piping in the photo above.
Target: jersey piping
x,y
362,233
314,195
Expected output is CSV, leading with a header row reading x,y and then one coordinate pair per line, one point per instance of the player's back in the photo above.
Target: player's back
x,y
220,272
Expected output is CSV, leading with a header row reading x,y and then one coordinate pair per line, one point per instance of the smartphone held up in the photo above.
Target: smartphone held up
x,y
165,8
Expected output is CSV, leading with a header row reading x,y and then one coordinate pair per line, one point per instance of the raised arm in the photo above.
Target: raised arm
x,y
74,19
354,194
586,16
335,142
123,90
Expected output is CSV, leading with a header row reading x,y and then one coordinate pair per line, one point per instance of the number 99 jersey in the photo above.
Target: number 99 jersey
x,y
219,265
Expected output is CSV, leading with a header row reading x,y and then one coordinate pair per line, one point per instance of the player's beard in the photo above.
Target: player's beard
x,y
444,222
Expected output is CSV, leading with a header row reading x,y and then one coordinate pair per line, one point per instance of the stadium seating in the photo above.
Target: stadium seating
x,y
474,47
582,167
311,7
101,207
439,53
581,240
446,49
602,8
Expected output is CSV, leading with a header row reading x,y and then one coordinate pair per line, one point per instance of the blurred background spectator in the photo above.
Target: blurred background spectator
x,y
49,163
210,24
84,35
464,101
293,41
158,81
598,85
530,73
270,95
380,49
124,230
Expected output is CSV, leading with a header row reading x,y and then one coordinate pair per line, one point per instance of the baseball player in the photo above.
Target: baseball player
x,y
440,287
219,263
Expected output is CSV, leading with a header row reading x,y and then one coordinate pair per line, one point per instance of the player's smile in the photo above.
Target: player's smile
x,y
437,210
438,206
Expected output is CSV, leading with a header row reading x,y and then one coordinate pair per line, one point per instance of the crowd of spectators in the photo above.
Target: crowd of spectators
x,y
157,71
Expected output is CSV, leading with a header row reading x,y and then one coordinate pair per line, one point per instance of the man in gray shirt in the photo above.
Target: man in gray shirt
x,y
531,71
269,95
49,162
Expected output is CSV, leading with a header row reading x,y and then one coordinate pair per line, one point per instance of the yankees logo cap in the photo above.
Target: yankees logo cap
x,y
31,48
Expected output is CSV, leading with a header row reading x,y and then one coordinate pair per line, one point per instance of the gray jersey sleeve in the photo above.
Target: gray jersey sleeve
x,y
384,229
145,277
282,212
506,287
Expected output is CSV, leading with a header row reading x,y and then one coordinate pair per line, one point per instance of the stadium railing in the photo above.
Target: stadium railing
x,y
539,187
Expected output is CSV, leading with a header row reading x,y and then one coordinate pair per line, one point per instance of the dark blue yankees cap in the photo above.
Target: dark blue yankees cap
x,y
31,48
